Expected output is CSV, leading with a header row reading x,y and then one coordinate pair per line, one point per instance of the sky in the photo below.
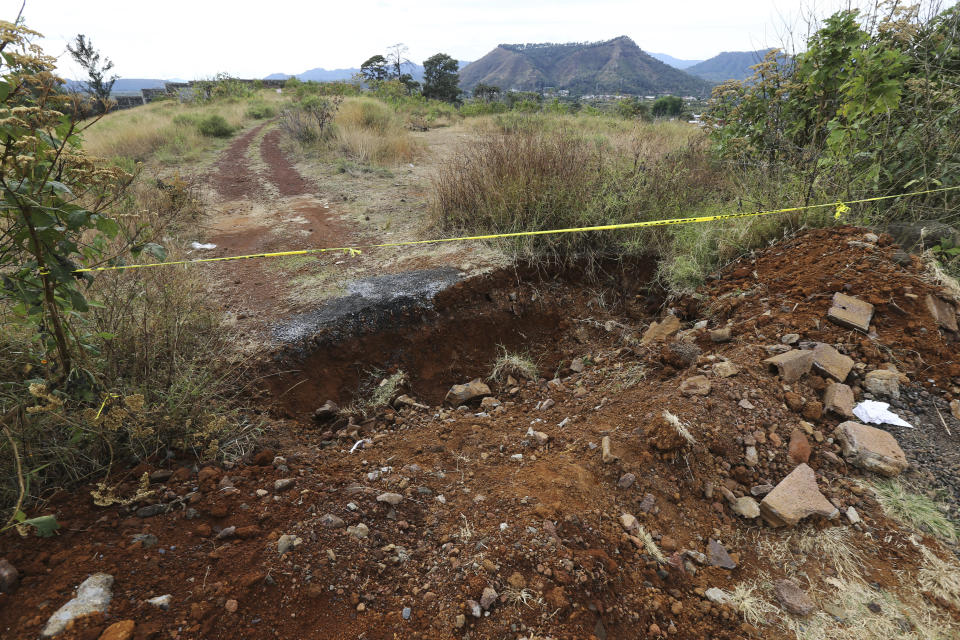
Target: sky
x,y
251,39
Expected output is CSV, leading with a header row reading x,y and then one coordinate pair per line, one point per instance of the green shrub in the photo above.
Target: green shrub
x,y
260,111
214,126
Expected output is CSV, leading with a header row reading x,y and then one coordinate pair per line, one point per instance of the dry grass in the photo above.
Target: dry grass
x,y
370,132
913,509
518,365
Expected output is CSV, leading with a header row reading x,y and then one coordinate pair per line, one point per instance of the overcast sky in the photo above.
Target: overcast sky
x,y
247,38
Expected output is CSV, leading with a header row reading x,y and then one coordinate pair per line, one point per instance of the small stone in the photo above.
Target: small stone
x,y
799,449
489,403
761,490
122,630
660,331
812,410
839,399
695,386
151,510
577,365
792,598
750,456
161,602
361,608
955,408
883,383
725,369
626,480
463,393
406,613
283,484
390,498
541,438
851,312
606,455
717,596
746,404
331,521
830,362
93,596
359,530
231,606
328,410
718,555
790,338
287,542
794,498
871,449
792,365
852,515
226,532
488,598
460,621
720,335
746,507
262,493
474,608
646,505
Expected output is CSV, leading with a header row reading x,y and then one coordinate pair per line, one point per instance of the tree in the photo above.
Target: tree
x,y
397,61
440,78
87,57
486,92
667,106
375,69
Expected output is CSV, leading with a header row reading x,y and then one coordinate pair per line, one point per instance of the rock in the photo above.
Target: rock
x,y
626,480
161,475
792,598
746,404
720,335
546,404
9,577
516,580
664,435
488,598
871,449
629,523
122,630
680,354
746,507
793,400
830,362
792,365
463,393
283,484
790,338
646,505
359,530
161,602
406,401
839,399
577,365
490,403
718,555
392,499
151,510
750,456
327,411
872,238
660,331
848,311
717,596
725,369
231,605
761,489
331,521
695,386
541,438
794,498
93,596
606,455
288,542
264,458
406,613
226,532
799,448
474,608
852,515
460,621
883,383
955,408
812,410
944,313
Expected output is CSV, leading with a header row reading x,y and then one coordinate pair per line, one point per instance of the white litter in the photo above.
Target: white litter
x,y
200,245
873,412
360,443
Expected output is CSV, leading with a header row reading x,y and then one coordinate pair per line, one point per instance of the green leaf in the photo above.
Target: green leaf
x,y
156,250
45,525
108,226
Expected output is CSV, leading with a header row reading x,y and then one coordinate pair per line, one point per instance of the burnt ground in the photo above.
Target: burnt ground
x,y
482,502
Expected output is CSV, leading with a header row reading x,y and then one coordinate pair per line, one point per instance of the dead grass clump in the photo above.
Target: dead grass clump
x,y
518,365
913,509
371,132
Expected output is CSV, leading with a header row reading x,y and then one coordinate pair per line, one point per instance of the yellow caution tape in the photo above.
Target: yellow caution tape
x,y
841,208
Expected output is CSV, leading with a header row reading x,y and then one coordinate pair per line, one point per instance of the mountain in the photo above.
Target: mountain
x,y
329,75
611,66
729,65
676,63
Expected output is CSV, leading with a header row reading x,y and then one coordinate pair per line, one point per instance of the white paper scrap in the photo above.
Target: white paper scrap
x,y
873,412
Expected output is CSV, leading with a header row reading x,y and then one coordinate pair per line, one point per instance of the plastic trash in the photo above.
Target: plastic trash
x,y
201,245
873,412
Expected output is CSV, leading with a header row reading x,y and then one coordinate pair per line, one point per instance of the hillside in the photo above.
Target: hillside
x,y
677,63
612,66
729,65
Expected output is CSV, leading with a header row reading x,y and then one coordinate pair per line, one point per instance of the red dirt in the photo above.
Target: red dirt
x,y
560,503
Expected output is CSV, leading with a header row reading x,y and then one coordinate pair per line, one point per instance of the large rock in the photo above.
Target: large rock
x,y
463,393
883,383
831,362
944,313
660,331
848,311
93,596
792,598
839,399
792,365
695,386
871,449
795,498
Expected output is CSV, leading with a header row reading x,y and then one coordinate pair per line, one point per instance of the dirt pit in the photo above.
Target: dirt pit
x,y
439,330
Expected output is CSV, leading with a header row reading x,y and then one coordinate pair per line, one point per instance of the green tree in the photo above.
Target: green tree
x,y
667,106
631,108
375,69
440,78
486,92
98,83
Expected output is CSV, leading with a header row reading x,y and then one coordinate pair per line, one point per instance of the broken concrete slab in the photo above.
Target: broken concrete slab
x,y
839,399
848,311
831,362
884,383
871,449
660,331
795,498
944,313
792,365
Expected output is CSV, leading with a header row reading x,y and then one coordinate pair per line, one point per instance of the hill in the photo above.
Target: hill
x,y
729,65
611,66
320,74
676,63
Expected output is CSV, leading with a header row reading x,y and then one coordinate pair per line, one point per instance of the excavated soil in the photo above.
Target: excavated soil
x,y
480,503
